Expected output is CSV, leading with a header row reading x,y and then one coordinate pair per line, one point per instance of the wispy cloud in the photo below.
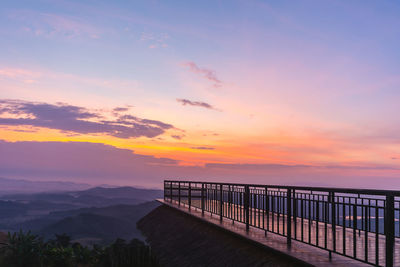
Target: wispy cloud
x,y
155,40
178,137
206,73
23,75
51,24
76,119
120,109
185,102
203,147
240,166
44,81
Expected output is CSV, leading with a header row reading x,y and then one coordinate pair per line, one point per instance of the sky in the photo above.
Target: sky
x,y
135,92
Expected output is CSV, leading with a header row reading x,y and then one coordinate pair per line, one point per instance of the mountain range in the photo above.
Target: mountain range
x,y
94,215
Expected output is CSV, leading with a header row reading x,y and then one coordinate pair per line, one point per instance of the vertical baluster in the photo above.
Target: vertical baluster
x,y
282,211
263,211
333,219
246,206
317,221
272,210
310,202
267,207
237,206
344,224
229,202
240,205
190,196
165,190
179,193
289,216
302,216
295,213
170,192
355,228
259,209
250,210
278,202
366,234
221,203
202,199
389,230
376,232
325,215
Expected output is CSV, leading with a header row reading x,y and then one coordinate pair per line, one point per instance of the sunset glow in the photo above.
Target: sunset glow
x,y
225,90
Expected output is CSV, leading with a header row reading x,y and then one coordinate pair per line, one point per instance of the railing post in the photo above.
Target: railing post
x,y
294,207
165,188
246,206
170,191
389,230
221,203
266,210
289,217
202,199
179,193
333,218
229,210
190,195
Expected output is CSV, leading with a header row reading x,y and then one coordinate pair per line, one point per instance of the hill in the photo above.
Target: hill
x,y
40,210
98,196
8,186
122,192
103,224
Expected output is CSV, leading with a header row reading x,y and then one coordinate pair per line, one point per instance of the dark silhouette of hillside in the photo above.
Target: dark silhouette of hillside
x,y
181,240
101,224
93,226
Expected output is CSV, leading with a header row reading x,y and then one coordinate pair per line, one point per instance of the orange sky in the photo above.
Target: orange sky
x,y
262,84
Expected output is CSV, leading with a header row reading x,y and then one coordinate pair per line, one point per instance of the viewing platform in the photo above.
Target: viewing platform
x,y
316,226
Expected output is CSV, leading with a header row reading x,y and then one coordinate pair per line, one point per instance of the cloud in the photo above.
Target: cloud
x,y
50,25
202,147
121,109
15,73
79,161
240,166
23,75
76,119
185,102
178,137
206,73
155,40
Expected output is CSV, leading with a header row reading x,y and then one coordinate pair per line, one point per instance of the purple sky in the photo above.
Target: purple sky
x,y
128,92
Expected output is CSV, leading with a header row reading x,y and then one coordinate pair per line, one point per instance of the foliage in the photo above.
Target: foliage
x,y
121,254
26,249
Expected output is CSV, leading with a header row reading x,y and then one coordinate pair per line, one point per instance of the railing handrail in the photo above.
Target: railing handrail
x,y
308,188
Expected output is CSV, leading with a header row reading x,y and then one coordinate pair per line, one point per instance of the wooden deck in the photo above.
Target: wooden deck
x,y
303,231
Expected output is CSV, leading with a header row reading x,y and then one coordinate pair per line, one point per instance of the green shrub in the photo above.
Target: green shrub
x,y
27,249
